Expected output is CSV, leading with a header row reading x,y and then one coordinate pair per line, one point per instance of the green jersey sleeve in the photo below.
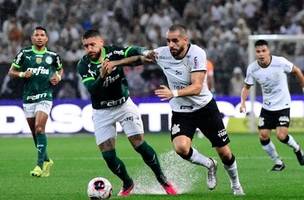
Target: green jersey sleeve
x,y
90,79
18,61
58,62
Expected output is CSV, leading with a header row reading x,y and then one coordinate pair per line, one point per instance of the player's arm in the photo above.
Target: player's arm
x,y
193,89
244,96
298,73
57,76
16,68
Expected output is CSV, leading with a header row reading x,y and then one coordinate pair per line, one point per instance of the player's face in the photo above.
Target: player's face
x,y
177,43
93,46
39,38
262,54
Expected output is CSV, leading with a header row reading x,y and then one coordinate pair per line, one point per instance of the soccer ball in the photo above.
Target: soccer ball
x,y
99,188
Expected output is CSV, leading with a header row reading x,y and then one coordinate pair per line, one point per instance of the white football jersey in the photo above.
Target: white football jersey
x,y
178,73
273,81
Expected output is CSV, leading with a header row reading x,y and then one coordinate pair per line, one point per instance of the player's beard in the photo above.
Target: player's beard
x,y
94,55
176,53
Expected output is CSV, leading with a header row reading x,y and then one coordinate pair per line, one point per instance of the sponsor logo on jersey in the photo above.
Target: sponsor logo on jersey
x,y
39,70
110,80
37,96
38,60
48,59
114,102
28,57
175,129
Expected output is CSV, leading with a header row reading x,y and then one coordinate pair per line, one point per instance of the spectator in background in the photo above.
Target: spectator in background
x,y
210,76
236,82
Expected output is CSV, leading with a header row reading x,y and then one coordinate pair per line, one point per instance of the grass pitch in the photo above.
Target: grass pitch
x,y
77,160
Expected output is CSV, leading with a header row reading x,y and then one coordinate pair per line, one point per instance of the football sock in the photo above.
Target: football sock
x,y
46,156
270,149
200,159
290,141
41,147
231,168
117,166
150,158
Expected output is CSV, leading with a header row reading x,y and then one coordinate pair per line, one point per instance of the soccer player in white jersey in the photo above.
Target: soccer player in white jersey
x,y
193,106
270,72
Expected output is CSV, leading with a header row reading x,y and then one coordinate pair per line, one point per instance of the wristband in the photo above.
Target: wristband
x,y
175,93
21,74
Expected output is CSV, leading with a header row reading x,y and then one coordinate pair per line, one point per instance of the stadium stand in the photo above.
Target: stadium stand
x,y
219,26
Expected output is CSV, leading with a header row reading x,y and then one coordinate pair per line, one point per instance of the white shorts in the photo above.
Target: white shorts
x,y
126,114
30,109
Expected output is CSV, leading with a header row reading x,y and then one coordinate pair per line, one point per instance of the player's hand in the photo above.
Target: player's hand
x,y
55,79
150,56
243,108
27,74
103,70
164,93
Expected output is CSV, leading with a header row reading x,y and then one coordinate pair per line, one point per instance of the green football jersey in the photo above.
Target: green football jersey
x,y
112,90
43,64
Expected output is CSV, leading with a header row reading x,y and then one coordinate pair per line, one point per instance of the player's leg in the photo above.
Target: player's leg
x,y
268,121
150,158
284,137
210,122
105,134
230,166
31,123
269,148
40,123
132,125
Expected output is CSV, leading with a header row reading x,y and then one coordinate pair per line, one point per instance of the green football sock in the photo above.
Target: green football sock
x,y
41,147
117,167
149,156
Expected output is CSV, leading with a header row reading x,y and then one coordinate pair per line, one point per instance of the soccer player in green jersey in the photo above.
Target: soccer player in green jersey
x,y
40,69
111,104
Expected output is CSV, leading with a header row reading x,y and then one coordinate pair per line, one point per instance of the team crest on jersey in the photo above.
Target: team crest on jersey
x,y
38,60
48,59
175,129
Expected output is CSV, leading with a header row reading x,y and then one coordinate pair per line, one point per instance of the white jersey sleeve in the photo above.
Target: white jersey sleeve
x,y
273,81
178,73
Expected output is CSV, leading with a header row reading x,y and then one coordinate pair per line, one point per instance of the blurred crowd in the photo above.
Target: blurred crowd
x,y
221,27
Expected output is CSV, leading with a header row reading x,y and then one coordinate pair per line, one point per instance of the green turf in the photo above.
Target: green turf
x,y
77,160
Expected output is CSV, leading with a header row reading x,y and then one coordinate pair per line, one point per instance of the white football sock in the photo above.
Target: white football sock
x,y
200,159
233,174
272,152
293,144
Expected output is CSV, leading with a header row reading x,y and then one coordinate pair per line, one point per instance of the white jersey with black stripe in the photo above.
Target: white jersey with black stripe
x,y
178,73
273,81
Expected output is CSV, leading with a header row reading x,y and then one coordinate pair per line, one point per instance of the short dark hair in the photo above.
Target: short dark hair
x,y
91,33
178,27
260,43
40,28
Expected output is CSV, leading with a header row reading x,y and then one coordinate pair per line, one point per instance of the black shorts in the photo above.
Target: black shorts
x,y
208,119
272,119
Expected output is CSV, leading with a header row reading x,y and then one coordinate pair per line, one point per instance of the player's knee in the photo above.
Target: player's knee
x,y
39,129
184,153
283,138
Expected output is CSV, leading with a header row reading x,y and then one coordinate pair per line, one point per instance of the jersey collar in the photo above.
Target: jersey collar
x,y
37,51
103,56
